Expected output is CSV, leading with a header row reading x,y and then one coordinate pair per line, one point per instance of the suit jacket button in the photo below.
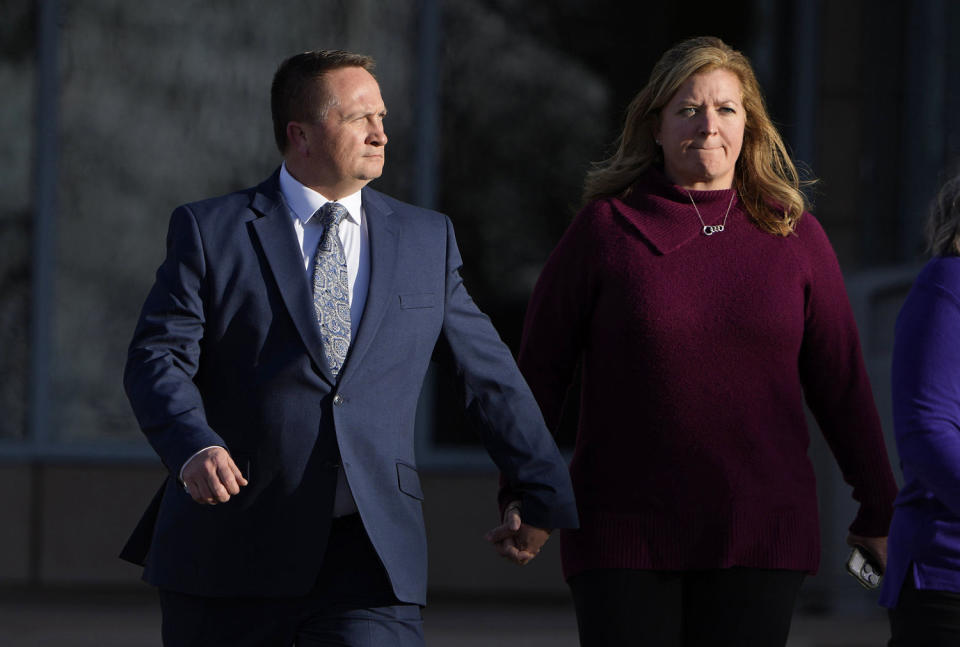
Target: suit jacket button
x,y
338,399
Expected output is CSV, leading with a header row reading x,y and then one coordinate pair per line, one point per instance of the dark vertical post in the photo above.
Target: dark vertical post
x,y
922,130
806,79
763,47
428,105
425,192
45,201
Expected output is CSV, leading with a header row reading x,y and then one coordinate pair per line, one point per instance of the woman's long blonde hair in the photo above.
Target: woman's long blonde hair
x,y
765,177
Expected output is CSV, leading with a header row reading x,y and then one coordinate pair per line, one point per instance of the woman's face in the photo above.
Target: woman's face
x,y
701,131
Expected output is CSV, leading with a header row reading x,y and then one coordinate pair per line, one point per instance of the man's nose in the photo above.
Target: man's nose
x,y
377,135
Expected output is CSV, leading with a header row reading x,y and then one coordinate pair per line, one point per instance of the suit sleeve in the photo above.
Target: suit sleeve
x,y
837,388
164,355
512,426
926,391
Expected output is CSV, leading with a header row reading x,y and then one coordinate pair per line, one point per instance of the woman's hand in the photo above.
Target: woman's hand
x,y
876,546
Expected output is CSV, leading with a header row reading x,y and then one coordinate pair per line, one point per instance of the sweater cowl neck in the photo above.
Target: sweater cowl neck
x,y
663,214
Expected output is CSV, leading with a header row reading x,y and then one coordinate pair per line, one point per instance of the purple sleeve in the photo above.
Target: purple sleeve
x,y
926,385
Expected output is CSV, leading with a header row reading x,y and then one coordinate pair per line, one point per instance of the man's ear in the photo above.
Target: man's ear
x,y
297,138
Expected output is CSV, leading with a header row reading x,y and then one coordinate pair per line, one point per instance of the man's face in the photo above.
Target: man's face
x,y
345,149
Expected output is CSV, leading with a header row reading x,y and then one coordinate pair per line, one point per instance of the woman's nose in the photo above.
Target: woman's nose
x,y
708,123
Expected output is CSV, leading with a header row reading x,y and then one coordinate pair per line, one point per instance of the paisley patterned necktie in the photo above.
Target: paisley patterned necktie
x,y
331,289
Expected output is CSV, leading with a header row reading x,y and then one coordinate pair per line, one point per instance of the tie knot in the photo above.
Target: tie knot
x,y
332,214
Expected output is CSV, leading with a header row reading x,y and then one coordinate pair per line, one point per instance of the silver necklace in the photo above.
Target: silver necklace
x,y
710,230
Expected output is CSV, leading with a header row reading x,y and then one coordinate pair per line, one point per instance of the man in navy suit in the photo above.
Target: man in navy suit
x,y
276,370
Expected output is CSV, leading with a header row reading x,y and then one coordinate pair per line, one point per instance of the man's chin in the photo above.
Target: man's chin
x,y
370,175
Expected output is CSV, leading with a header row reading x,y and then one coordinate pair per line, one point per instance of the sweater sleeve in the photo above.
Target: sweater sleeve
x,y
926,390
836,385
558,315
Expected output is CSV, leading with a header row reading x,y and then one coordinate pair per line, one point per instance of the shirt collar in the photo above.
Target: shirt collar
x,y
304,201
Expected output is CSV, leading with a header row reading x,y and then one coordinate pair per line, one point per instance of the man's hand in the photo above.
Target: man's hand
x,y
212,477
515,540
877,546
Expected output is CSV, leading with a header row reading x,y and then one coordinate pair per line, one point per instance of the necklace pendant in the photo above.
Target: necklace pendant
x,y
710,230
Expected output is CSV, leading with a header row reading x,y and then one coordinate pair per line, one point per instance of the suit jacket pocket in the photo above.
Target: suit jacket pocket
x,y
409,481
422,300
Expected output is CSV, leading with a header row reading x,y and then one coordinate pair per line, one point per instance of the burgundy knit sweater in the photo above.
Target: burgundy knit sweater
x,y
697,352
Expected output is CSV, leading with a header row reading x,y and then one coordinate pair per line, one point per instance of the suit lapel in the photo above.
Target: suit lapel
x,y
275,232
384,234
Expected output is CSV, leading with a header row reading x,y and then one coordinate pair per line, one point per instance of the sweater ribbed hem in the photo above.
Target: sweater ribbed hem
x,y
773,540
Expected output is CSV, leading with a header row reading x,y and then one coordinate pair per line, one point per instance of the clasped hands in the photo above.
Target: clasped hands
x,y
514,540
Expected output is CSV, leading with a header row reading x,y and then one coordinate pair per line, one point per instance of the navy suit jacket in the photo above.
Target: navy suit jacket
x,y
227,352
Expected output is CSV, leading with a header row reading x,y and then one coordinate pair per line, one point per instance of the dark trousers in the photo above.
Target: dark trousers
x,y
352,605
925,618
717,607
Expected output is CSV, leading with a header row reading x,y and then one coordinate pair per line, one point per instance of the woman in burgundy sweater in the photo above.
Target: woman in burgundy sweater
x,y
702,304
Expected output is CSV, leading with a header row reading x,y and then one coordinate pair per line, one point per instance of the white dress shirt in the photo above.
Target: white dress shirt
x,y
303,203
